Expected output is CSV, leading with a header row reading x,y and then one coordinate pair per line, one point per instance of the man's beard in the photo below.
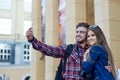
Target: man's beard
x,y
82,41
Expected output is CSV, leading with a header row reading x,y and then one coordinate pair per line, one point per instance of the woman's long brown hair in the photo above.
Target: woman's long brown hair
x,y
101,40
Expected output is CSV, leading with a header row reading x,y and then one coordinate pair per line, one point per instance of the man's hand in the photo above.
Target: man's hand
x,y
108,68
29,34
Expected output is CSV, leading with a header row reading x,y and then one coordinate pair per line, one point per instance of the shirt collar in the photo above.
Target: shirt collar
x,y
85,47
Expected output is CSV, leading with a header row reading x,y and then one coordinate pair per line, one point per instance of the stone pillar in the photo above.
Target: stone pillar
x,y
18,19
90,11
37,68
114,21
108,18
51,36
75,13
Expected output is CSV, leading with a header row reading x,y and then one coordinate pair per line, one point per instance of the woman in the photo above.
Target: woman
x,y
98,56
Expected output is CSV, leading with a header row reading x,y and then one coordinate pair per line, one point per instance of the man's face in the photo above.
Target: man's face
x,y
81,33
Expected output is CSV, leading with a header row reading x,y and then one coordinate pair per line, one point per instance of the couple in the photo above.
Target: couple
x,y
90,53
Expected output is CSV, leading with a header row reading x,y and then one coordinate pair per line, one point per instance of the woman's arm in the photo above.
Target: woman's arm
x,y
94,53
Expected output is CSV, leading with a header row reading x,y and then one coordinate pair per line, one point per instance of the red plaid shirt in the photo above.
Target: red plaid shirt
x,y
73,63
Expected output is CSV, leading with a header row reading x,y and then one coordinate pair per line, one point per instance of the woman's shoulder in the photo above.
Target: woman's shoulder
x,y
98,48
96,51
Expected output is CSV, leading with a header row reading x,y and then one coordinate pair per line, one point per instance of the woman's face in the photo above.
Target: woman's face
x,y
91,38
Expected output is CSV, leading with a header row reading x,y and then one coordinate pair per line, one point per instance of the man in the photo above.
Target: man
x,y
75,59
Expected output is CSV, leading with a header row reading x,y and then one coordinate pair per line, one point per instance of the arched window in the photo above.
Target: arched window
x,y
27,78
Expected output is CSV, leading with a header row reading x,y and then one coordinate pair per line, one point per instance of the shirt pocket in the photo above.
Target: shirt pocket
x,y
74,57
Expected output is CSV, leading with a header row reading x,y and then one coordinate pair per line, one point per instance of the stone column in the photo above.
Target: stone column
x,y
18,20
114,22
51,36
108,18
75,13
90,11
37,68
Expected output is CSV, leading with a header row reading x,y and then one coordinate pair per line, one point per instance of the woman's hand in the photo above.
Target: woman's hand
x,y
86,54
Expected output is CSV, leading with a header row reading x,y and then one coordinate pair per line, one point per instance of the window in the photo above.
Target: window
x,y
27,25
5,4
27,55
1,77
4,52
5,26
28,5
27,78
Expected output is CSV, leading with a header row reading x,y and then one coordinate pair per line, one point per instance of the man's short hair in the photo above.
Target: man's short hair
x,y
83,24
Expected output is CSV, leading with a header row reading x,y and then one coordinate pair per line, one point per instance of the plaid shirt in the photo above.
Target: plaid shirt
x,y
73,63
